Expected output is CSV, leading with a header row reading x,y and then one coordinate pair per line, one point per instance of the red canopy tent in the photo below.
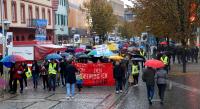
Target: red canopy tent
x,y
40,51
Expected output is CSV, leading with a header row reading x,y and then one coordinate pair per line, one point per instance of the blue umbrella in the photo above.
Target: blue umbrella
x,y
10,59
53,56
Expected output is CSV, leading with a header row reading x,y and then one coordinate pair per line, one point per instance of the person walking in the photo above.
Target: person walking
x,y
71,71
35,73
79,81
18,72
52,69
165,60
161,80
25,67
44,75
135,73
118,76
63,65
11,80
149,78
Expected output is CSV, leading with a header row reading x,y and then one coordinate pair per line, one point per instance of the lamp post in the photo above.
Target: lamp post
x,y
147,44
5,24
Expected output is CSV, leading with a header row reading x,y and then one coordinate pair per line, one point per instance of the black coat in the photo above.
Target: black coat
x,y
71,74
118,72
149,76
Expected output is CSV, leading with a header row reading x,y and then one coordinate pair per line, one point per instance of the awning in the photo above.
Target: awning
x,y
42,50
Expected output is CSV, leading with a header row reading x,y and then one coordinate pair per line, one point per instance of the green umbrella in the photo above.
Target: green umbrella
x,y
93,52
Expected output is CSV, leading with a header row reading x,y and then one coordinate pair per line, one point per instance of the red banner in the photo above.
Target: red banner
x,y
99,74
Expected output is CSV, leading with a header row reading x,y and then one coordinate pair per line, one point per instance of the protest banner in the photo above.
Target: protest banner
x,y
98,74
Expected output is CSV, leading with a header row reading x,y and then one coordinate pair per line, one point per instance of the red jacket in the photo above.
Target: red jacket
x,y
17,75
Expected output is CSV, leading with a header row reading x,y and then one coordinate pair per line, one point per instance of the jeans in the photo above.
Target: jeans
x,y
161,90
52,82
62,78
70,89
150,91
15,84
118,84
45,81
135,78
25,80
35,80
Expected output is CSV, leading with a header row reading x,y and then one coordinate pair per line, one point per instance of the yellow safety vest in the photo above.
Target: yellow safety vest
x,y
165,60
28,73
142,53
134,69
52,68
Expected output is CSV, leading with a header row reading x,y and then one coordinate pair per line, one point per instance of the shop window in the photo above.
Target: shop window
x,y
17,38
23,38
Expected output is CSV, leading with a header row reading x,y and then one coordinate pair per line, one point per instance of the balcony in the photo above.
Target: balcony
x,y
32,23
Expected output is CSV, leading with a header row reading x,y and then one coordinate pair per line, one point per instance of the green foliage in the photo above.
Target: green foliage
x,y
100,12
168,18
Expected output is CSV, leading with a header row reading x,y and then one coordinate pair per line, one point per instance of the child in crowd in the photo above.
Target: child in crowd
x,y
79,81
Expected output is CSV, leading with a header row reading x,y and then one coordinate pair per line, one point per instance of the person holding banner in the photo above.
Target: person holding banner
x,y
118,76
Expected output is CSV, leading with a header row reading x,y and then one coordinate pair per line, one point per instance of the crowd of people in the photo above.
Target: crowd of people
x,y
51,72
125,72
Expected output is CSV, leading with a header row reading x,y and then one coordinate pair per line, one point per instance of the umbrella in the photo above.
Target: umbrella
x,y
65,54
163,43
137,56
107,53
53,56
93,52
79,54
138,59
77,50
112,46
10,59
154,63
13,59
116,57
83,56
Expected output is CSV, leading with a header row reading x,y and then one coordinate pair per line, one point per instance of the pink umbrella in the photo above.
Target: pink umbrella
x,y
163,43
154,63
79,50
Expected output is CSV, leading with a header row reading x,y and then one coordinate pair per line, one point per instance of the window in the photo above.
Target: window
x,y
49,17
14,11
37,14
43,13
55,19
22,13
5,9
61,19
58,19
23,38
17,38
30,12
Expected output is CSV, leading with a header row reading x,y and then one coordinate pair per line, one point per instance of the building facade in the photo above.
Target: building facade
x,y
77,19
61,21
118,7
24,15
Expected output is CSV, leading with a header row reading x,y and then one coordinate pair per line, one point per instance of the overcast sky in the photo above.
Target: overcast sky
x,y
127,2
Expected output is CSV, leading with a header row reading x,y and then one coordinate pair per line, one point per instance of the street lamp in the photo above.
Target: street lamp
x,y
147,44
